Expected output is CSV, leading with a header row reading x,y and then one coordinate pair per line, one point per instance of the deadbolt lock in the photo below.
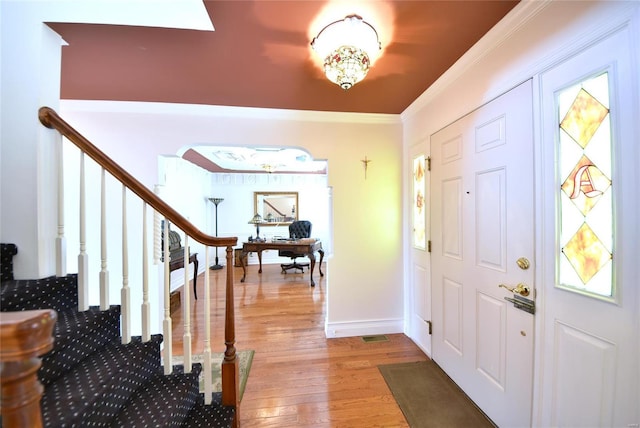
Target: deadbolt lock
x,y
523,263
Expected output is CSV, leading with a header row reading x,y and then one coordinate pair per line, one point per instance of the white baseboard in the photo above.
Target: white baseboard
x,y
363,328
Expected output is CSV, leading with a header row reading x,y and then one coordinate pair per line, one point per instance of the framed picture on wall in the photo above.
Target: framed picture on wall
x,y
276,208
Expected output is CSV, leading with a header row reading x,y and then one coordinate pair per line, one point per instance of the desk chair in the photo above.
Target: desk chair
x,y
297,230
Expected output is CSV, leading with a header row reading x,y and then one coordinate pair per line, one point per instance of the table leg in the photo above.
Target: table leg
x,y
195,276
243,262
260,261
320,265
312,258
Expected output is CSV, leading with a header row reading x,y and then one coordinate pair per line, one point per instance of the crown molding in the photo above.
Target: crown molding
x,y
503,30
135,107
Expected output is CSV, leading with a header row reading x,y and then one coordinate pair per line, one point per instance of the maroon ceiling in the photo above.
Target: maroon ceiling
x,y
259,56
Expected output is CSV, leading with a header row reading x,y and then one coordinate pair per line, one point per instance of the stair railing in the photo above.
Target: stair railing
x,y
229,376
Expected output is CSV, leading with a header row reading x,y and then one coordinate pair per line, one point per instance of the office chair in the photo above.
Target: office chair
x,y
297,229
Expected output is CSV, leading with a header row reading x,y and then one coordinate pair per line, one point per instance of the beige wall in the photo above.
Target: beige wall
x,y
364,274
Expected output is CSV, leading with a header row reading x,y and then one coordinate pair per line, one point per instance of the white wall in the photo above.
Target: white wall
x,y
238,207
30,78
188,187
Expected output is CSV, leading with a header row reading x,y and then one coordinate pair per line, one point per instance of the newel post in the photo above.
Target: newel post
x,y
25,335
230,383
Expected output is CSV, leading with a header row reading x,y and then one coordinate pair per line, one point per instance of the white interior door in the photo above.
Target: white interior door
x,y
589,362
482,225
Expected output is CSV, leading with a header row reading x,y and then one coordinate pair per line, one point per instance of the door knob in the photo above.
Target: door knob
x,y
520,289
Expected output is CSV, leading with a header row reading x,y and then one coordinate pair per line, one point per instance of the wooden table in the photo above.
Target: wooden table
x,y
301,247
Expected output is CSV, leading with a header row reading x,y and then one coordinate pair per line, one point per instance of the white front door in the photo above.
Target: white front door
x,y
482,237
589,356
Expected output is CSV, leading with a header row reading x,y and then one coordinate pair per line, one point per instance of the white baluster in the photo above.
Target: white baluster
x,y
186,337
166,322
104,273
157,243
61,242
146,315
125,295
208,381
157,251
83,259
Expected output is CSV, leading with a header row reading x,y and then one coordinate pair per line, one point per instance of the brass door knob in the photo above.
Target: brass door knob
x,y
521,289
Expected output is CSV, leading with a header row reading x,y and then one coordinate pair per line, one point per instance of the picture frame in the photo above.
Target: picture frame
x,y
276,208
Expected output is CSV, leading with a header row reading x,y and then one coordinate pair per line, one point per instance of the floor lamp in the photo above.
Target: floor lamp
x,y
216,201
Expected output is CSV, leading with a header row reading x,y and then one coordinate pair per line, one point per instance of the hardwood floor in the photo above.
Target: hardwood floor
x,y
298,377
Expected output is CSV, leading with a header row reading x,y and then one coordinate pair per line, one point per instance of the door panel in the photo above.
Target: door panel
x,y
576,351
490,220
590,353
482,222
452,322
491,320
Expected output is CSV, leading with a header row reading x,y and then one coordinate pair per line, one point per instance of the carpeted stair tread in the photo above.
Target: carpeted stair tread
x,y
77,336
95,390
214,415
162,402
7,251
57,293
90,379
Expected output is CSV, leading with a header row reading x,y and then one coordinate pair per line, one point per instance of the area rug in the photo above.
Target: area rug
x,y
429,398
245,358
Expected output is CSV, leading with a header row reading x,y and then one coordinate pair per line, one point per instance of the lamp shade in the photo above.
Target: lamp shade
x,y
348,47
257,219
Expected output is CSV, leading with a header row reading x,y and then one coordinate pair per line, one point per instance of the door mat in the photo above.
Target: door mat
x,y
245,358
429,398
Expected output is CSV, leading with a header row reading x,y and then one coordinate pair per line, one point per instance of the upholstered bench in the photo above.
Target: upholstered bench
x,y
176,257
177,262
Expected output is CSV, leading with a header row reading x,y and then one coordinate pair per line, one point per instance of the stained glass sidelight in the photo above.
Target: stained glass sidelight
x,y
419,228
586,204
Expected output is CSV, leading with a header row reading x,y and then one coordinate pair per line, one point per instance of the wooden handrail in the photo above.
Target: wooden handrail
x,y
49,118
25,335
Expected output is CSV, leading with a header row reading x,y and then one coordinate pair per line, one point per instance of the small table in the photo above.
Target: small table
x,y
302,247
177,262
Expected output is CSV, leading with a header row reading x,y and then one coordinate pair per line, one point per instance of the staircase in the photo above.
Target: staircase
x,y
91,379
93,371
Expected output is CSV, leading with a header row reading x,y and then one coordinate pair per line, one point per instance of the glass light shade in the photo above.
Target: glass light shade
x,y
346,66
348,47
257,219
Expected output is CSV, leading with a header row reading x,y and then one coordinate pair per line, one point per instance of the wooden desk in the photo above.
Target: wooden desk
x,y
307,248
177,262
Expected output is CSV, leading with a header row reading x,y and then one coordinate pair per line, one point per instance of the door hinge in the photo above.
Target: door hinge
x,y
428,246
430,327
429,163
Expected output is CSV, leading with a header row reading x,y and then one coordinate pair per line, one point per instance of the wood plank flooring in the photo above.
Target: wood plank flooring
x,y
298,377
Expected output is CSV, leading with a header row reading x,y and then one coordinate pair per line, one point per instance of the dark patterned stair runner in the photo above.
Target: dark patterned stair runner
x,y
91,379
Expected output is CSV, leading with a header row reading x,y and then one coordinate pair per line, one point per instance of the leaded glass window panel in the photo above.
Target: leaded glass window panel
x,y
586,203
419,218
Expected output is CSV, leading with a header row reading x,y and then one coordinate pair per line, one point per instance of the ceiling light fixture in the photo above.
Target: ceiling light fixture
x,y
348,47
270,168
